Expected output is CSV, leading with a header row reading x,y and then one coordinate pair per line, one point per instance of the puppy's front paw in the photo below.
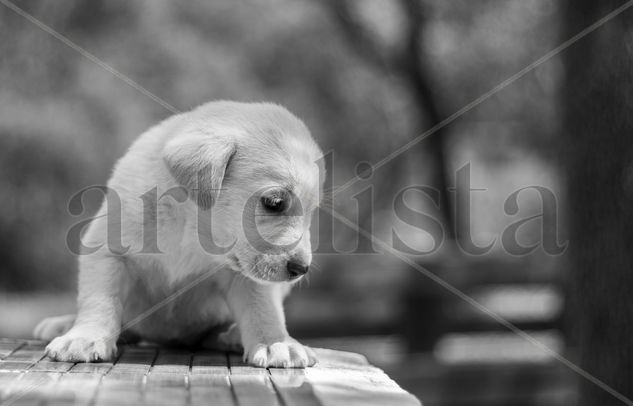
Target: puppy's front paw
x,y
287,353
82,346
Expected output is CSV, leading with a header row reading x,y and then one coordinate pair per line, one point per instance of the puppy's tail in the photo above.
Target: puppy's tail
x,y
52,327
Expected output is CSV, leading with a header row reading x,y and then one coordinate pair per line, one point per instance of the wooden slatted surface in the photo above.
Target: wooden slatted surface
x,y
157,376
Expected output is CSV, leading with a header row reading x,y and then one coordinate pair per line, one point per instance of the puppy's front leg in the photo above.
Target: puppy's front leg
x,y
258,312
97,326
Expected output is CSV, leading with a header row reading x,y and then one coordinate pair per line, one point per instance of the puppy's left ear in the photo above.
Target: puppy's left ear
x,y
198,161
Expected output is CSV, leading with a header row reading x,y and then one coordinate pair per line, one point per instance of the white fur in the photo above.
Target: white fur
x,y
240,148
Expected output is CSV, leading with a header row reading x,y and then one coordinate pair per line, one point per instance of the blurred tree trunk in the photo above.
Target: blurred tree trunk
x,y
598,145
420,79
406,63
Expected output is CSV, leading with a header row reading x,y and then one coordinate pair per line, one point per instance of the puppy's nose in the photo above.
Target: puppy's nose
x,y
296,269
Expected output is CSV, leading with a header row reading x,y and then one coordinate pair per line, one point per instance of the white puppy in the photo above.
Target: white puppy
x,y
206,224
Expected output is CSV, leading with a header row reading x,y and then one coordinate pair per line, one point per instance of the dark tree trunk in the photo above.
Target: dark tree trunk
x,y
598,146
407,64
435,145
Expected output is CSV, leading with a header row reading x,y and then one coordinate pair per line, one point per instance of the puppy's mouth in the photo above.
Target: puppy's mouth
x,y
234,263
237,266
260,272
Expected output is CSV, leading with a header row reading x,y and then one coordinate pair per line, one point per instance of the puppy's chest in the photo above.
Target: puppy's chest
x,y
186,263
182,253
162,273
178,311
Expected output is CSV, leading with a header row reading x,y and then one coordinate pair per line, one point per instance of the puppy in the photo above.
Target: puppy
x,y
206,223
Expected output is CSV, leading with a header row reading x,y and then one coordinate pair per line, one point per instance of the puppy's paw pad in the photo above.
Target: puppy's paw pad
x,y
81,348
283,354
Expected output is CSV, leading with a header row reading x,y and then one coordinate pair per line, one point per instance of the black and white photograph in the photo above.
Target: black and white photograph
x,y
328,202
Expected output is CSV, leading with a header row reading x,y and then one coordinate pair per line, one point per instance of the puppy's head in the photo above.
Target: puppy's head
x,y
255,169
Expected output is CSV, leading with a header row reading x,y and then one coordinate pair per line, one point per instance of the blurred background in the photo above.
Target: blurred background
x,y
366,77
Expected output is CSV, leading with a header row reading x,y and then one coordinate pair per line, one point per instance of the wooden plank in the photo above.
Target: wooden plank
x,y
39,379
122,387
341,360
110,397
212,389
166,382
137,369
172,361
7,378
15,366
347,378
135,359
165,379
253,390
211,362
78,389
235,360
124,378
65,399
293,387
51,366
174,377
31,388
91,368
26,400
335,387
7,347
251,386
79,381
27,353
168,396
239,367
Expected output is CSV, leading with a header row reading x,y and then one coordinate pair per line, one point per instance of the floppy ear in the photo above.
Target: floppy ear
x,y
198,161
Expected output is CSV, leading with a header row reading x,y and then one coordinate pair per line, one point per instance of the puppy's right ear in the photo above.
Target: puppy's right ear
x,y
198,161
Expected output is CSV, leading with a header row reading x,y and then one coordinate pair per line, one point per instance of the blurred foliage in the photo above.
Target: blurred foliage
x,y
64,120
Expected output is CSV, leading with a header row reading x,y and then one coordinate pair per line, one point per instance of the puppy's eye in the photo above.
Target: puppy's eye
x,y
274,204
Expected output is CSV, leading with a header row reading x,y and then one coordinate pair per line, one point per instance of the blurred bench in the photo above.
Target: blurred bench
x,y
157,376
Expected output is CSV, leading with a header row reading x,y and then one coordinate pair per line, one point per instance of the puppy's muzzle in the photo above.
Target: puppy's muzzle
x,y
296,269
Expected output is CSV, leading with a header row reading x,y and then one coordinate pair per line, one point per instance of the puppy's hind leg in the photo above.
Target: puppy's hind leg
x,y
226,340
52,327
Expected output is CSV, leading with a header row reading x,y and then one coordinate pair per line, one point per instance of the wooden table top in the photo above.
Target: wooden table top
x,y
157,376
